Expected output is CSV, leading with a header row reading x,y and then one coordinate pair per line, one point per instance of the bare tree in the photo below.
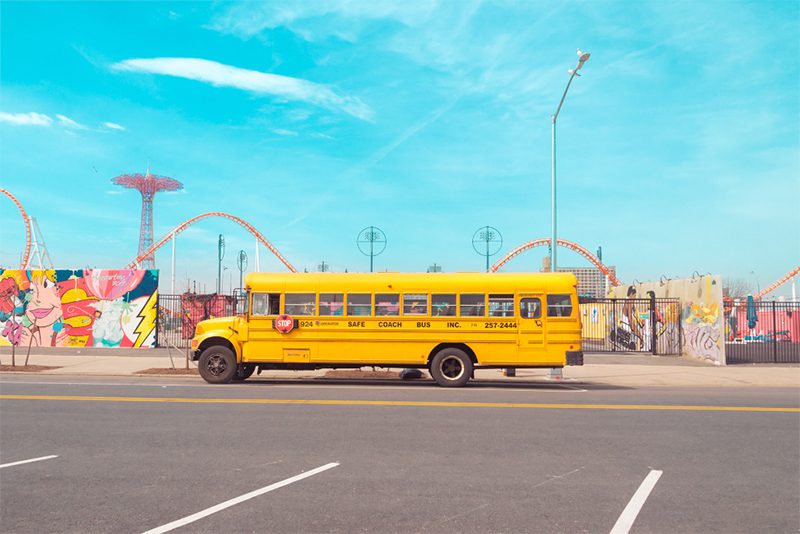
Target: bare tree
x,y
736,288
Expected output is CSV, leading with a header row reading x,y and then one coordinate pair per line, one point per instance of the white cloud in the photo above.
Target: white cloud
x,y
26,119
306,19
114,126
221,75
281,131
69,123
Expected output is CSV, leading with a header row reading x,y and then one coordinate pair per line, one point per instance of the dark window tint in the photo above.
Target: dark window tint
x,y
415,304
331,303
359,304
501,305
387,303
300,304
530,308
559,306
473,305
443,305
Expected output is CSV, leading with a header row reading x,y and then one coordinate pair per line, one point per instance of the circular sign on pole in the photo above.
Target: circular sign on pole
x,y
487,241
371,242
284,323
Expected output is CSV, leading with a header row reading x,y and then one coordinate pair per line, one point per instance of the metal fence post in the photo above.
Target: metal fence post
x,y
774,334
653,321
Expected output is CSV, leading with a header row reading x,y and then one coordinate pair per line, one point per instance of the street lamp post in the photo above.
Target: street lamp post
x,y
582,58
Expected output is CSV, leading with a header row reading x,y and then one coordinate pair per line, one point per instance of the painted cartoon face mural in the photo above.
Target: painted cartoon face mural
x,y
79,308
43,312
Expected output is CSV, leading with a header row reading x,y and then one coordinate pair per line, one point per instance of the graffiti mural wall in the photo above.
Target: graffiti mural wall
x,y
702,320
78,308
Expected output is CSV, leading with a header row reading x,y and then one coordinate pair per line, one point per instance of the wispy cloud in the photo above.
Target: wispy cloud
x,y
287,133
26,119
308,19
221,75
114,126
69,123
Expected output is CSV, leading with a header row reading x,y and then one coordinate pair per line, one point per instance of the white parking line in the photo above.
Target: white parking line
x,y
247,496
29,461
625,521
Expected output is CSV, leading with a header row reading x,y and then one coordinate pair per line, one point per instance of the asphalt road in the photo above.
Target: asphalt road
x,y
411,457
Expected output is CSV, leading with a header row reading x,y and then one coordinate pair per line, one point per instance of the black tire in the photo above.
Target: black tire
x,y
217,365
451,368
244,371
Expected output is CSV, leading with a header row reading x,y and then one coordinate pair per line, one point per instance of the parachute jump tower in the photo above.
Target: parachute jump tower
x,y
148,185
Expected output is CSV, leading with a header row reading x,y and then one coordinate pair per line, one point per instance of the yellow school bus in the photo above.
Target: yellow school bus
x,y
448,323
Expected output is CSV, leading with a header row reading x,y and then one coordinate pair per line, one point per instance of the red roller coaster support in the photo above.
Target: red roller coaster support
x,y
779,282
26,220
561,242
184,225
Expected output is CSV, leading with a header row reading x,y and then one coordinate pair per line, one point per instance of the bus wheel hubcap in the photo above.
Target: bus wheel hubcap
x,y
216,365
451,368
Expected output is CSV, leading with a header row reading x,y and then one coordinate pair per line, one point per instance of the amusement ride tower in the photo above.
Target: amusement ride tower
x,y
148,185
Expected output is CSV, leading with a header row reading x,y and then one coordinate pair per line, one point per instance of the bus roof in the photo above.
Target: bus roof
x,y
395,282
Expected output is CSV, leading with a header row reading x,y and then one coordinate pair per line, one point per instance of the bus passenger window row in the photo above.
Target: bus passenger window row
x,y
414,304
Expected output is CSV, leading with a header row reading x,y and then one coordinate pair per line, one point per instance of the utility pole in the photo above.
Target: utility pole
x,y
220,255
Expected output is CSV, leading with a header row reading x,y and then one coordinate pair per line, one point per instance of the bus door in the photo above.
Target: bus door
x,y
263,341
531,323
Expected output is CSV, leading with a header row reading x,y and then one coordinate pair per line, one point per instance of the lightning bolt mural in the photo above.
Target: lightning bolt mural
x,y
148,320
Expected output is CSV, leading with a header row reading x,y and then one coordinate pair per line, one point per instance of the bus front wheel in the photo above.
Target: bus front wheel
x,y
451,367
217,365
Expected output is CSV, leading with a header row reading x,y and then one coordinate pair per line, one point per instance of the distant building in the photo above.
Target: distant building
x,y
591,282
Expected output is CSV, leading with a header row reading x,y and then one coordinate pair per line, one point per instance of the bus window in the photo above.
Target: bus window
x,y
387,304
443,305
359,304
559,306
300,304
266,304
415,304
530,308
473,305
331,303
501,305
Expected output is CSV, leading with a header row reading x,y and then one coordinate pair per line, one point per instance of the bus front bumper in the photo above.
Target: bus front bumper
x,y
574,357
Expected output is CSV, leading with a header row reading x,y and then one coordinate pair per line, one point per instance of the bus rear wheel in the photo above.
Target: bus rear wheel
x,y
451,368
217,365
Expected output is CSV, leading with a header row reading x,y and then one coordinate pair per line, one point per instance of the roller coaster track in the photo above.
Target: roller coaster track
x,y
563,243
26,256
779,282
186,224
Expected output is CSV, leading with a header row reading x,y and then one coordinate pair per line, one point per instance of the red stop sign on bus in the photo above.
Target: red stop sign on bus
x,y
284,324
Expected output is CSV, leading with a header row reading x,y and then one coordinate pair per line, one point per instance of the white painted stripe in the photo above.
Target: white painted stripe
x,y
29,461
625,521
232,502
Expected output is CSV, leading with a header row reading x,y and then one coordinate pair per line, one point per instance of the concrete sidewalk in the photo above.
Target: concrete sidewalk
x,y
628,370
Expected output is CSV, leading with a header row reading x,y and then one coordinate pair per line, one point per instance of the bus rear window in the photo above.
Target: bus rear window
x,y
559,306
530,308
473,305
300,304
331,303
443,305
501,305
359,304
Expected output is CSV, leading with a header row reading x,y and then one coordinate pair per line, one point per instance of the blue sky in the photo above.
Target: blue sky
x,y
678,147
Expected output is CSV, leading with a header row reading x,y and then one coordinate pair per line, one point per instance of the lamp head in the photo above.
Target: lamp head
x,y
583,57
